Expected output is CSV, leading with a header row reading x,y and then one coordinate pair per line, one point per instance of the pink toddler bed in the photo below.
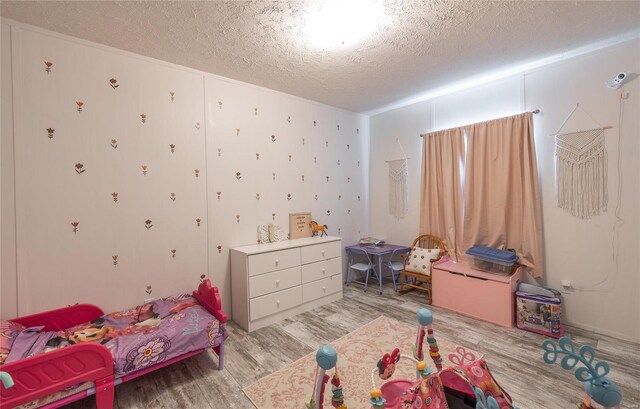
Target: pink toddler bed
x,y
64,355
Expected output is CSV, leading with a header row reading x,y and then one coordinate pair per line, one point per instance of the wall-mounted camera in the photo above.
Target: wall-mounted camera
x,y
617,81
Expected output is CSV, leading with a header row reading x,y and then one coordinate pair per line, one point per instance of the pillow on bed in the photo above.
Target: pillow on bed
x,y
420,260
9,331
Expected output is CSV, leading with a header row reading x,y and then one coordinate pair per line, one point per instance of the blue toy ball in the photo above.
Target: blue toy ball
x,y
326,357
424,317
604,392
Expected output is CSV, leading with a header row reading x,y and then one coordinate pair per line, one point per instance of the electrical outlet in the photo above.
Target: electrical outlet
x,y
565,283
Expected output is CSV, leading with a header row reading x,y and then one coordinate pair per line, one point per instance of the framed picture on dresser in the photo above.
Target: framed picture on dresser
x,y
299,225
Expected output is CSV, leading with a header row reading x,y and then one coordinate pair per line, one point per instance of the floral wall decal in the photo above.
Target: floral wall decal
x,y
328,212
358,198
115,259
314,124
257,156
114,143
172,196
238,175
198,125
273,216
79,168
50,132
172,95
172,147
303,141
220,104
144,170
173,253
338,162
79,104
339,197
47,66
219,247
288,196
197,172
326,144
358,163
202,277
347,146
255,111
339,230
357,131
143,118
327,178
315,159
238,218
237,131
219,151
148,224
219,194
148,290
74,226
338,127
114,195
273,138
315,197
302,178
274,175
348,211
257,196
289,119
114,83
290,156
198,222
348,180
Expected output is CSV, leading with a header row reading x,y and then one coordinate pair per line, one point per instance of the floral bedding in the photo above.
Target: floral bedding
x,y
137,338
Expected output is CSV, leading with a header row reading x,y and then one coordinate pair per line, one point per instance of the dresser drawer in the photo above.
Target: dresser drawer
x,y
318,289
276,281
321,269
318,252
272,261
273,303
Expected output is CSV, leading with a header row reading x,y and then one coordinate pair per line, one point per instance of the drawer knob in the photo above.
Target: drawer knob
x,y
322,251
324,271
277,282
277,261
278,303
324,289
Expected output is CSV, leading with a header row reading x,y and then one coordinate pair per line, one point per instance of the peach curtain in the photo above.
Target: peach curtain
x,y
502,205
441,203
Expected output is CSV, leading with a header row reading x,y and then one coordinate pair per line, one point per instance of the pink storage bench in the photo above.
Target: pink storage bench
x,y
486,296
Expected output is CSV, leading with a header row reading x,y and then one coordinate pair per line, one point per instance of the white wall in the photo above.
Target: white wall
x,y
56,267
576,250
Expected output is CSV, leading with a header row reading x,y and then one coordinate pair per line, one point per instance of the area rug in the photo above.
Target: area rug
x,y
358,353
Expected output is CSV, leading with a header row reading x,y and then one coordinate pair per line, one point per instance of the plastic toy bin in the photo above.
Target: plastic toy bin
x,y
492,260
539,314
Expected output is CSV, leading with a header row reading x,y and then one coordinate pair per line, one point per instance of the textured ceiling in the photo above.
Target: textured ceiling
x,y
421,46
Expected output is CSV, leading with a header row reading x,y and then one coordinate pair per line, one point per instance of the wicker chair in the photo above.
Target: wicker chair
x,y
419,281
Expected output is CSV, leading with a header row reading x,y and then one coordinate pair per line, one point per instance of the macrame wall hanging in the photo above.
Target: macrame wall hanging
x,y
398,187
581,170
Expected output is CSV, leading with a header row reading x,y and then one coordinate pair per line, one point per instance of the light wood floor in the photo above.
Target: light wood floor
x,y
514,355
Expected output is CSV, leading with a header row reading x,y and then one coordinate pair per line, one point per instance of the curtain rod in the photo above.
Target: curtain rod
x,y
535,111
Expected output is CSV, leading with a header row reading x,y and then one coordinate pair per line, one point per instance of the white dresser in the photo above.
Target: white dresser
x,y
274,281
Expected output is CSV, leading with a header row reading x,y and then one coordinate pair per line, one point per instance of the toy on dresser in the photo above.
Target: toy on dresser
x,y
600,392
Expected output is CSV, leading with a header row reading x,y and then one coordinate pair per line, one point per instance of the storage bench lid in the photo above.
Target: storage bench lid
x,y
493,254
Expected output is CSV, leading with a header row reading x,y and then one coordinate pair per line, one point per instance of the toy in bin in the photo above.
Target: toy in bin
x,y
492,260
539,310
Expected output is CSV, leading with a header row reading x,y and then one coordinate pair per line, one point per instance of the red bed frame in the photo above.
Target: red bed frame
x,y
44,374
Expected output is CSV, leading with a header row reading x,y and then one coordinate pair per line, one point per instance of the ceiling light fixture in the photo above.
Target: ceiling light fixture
x,y
333,24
